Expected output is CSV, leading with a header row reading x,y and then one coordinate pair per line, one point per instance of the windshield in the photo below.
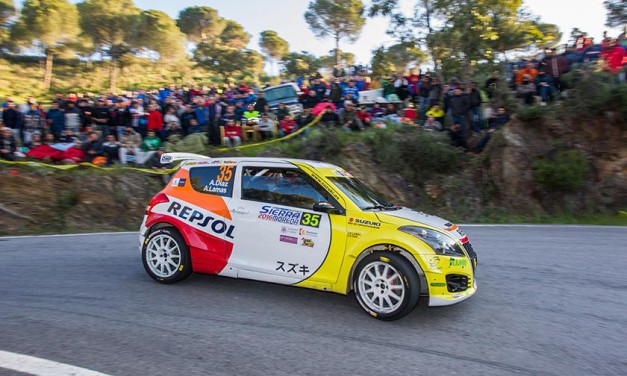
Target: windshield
x,y
280,93
360,194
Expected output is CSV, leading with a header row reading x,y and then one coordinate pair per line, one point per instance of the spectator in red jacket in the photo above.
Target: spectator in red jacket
x,y
74,154
155,119
288,126
614,57
232,134
364,116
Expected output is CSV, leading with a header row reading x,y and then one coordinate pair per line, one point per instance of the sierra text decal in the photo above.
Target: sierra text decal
x,y
288,216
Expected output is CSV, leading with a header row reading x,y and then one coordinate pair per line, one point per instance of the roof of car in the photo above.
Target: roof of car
x,y
227,160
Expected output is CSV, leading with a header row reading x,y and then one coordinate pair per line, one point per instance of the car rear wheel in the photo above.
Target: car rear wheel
x,y
386,286
166,256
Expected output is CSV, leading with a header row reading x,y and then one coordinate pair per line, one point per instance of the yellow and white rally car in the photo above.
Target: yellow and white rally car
x,y
302,223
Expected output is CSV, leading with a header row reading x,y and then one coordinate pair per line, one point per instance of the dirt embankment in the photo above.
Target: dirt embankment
x,y
44,201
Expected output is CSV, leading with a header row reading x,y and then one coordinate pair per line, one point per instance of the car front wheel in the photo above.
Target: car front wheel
x,y
166,256
386,285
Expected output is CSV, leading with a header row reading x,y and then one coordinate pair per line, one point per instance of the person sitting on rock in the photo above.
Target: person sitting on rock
x,y
8,146
495,122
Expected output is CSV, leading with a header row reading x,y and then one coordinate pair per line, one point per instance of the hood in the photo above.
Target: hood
x,y
421,218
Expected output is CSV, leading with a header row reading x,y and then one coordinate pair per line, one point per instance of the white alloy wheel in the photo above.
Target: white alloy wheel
x,y
382,287
163,255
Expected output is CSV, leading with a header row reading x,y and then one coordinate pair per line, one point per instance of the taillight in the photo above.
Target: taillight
x,y
161,198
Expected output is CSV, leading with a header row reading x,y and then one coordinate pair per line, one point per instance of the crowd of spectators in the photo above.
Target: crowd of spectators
x,y
139,126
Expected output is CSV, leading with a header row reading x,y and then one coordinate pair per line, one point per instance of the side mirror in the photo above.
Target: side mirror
x,y
324,207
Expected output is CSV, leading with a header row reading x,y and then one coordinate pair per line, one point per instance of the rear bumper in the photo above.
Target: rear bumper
x,y
143,230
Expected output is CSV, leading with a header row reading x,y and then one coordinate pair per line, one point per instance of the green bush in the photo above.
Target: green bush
x,y
563,171
412,152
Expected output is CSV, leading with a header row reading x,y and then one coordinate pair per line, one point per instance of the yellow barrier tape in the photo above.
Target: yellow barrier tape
x,y
313,122
157,172
85,164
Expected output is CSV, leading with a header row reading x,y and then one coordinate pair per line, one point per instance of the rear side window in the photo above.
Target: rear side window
x,y
215,180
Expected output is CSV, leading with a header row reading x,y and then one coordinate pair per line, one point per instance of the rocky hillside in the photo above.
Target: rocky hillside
x,y
45,201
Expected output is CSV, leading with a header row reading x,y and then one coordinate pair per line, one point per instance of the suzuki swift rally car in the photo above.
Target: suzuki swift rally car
x,y
302,223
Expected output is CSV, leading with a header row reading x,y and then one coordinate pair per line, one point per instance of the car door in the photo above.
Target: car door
x,y
279,236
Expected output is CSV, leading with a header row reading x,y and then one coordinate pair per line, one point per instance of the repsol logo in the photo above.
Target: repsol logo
x,y
190,215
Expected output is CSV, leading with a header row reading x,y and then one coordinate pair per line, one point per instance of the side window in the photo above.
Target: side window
x,y
215,180
280,186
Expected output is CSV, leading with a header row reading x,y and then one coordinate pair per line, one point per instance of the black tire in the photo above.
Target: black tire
x,y
403,278
161,265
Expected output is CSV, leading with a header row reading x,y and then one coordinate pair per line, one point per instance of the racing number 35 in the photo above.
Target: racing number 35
x,y
226,173
309,219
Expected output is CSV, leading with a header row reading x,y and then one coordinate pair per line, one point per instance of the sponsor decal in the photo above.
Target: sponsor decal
x,y
458,262
205,220
307,242
309,219
305,232
289,230
455,296
364,223
281,215
216,180
342,173
326,186
438,284
179,182
434,261
354,235
294,268
288,216
214,186
288,239
165,159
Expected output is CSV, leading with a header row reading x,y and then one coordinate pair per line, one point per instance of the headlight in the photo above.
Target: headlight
x,y
440,243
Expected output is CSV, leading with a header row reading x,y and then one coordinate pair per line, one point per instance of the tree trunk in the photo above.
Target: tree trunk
x,y
338,55
113,79
48,70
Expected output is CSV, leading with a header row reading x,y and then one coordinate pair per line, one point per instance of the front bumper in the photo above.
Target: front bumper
x,y
450,299
451,279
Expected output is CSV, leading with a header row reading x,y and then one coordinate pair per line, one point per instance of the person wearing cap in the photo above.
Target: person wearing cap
x,y
8,146
526,90
349,120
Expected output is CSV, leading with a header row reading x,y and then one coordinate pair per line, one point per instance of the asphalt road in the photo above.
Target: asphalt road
x,y
552,301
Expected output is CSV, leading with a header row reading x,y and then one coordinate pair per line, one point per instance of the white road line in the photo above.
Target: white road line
x,y
548,225
71,235
38,366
